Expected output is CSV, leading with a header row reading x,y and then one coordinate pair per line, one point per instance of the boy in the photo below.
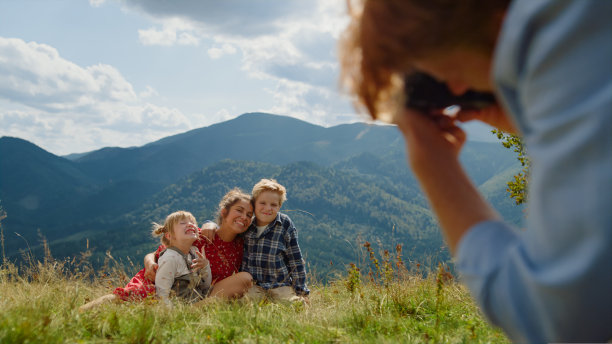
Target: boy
x,y
271,251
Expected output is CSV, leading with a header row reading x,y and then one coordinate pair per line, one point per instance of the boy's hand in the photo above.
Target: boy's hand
x,y
208,231
200,261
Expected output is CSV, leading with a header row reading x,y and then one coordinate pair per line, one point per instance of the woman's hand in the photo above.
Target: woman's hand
x,y
200,262
150,267
432,140
208,231
493,115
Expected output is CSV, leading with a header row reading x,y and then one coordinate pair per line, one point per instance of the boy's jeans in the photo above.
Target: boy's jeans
x,y
282,294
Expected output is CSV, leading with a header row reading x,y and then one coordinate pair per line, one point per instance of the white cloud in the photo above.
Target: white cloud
x,y
35,75
153,36
228,17
186,38
173,31
223,115
46,97
218,52
96,3
291,42
148,92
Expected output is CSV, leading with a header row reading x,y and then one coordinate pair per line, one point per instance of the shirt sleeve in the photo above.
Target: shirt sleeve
x,y
164,278
295,261
552,281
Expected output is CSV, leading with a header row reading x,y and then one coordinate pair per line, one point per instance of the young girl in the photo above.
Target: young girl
x,y
179,232
175,272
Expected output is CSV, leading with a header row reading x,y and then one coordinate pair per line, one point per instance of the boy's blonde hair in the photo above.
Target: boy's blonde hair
x,y
269,185
168,226
230,198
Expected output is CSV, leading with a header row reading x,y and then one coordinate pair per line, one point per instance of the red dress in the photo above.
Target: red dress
x,y
225,259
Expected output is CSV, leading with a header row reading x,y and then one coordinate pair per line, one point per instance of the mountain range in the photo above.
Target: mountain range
x,y
346,184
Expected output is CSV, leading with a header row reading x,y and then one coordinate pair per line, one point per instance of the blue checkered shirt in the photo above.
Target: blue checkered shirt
x,y
274,258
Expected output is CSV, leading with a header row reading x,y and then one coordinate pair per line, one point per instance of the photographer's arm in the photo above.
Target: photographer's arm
x,y
433,145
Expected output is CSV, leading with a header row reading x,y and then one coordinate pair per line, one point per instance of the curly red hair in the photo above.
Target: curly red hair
x,y
384,37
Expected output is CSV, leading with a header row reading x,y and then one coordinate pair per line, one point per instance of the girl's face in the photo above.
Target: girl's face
x,y
238,217
184,231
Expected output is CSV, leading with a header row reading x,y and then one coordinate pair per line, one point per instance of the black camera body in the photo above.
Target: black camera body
x,y
426,94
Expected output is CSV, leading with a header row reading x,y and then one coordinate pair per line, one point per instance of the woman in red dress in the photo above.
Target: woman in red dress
x,y
224,253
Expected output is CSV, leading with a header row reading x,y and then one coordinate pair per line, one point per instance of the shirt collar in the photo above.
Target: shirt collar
x,y
274,222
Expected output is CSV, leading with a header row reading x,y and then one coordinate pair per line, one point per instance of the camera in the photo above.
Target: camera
x,y
425,93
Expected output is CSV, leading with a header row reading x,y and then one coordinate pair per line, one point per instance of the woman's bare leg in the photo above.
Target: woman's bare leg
x,y
233,286
99,301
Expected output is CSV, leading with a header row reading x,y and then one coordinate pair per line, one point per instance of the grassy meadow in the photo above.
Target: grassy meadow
x,y
382,302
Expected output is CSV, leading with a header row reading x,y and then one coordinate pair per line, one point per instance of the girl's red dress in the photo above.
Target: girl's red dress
x,y
225,259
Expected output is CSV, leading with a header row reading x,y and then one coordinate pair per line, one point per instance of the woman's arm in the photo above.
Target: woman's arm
x,y
433,144
208,230
150,263
150,266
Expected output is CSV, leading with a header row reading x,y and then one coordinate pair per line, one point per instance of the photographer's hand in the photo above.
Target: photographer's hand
x,y
494,116
433,144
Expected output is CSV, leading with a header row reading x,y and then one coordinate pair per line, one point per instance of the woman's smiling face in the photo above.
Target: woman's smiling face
x,y
239,216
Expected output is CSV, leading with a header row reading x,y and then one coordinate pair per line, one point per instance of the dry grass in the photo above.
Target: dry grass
x,y
388,304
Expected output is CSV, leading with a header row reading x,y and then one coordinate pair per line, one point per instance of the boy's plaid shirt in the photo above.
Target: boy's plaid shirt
x,y
274,259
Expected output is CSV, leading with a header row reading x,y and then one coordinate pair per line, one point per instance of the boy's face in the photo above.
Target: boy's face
x,y
267,206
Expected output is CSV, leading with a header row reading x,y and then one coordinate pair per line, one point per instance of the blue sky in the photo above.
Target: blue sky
x,y
78,75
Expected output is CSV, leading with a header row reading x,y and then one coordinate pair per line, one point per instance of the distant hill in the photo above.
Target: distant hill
x,y
252,136
344,182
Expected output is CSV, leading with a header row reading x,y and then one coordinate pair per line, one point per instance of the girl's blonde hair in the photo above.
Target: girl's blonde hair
x,y
269,185
385,37
168,226
231,198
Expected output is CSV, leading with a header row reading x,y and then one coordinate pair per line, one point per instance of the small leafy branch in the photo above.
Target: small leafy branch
x,y
519,185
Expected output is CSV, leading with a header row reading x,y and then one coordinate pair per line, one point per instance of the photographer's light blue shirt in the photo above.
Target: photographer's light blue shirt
x,y
553,281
